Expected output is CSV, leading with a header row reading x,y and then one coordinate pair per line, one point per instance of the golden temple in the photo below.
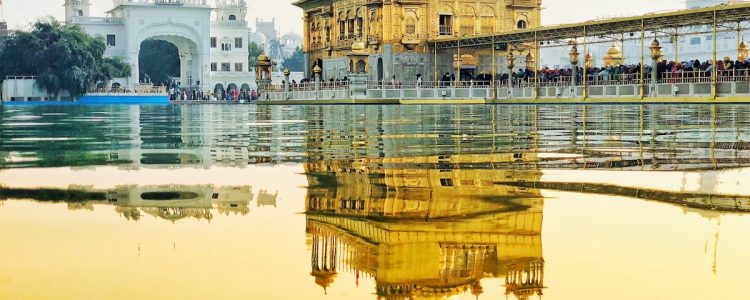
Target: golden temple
x,y
394,35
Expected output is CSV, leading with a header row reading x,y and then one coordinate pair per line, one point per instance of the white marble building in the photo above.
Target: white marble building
x,y
211,37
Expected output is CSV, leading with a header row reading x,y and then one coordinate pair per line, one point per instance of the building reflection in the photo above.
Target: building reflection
x,y
423,232
177,202
167,202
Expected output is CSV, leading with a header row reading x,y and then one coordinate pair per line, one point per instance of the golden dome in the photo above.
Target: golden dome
x,y
317,69
358,46
614,50
589,61
263,57
743,45
286,71
613,57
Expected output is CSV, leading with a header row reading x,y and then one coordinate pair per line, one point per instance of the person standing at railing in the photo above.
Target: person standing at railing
x,y
419,80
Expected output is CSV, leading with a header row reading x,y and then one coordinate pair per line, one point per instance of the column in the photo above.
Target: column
x,y
641,75
574,67
714,69
655,53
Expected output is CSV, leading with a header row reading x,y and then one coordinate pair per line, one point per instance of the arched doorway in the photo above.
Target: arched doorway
x,y
380,69
245,91
219,91
158,62
231,88
191,51
174,55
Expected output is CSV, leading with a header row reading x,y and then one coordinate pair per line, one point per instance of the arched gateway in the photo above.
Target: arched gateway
x,y
187,24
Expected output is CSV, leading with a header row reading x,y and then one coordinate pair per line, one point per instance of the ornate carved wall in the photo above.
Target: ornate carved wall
x,y
331,27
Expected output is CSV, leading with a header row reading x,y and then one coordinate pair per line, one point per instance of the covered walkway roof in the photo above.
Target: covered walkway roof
x,y
732,13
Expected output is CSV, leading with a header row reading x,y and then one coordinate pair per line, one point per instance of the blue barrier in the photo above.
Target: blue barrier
x,y
124,99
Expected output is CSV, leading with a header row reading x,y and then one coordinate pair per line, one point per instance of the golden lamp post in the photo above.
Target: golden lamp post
x,y
509,59
573,54
655,54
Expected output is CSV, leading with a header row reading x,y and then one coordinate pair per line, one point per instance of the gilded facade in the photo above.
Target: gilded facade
x,y
423,232
395,33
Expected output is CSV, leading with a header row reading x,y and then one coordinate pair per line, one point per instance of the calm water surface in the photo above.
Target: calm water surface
x,y
374,202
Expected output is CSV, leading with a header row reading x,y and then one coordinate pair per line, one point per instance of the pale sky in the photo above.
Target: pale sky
x,y
19,13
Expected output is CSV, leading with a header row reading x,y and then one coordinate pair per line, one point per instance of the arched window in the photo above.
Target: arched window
x,y
232,18
361,66
80,13
410,24
521,24
467,20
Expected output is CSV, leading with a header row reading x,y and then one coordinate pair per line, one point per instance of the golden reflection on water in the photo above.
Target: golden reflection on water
x,y
488,203
368,232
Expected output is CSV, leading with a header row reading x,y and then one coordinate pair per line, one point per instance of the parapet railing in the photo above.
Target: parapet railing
x,y
98,20
163,2
427,84
134,90
20,77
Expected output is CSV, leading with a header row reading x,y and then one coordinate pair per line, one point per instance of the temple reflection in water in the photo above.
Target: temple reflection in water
x,y
169,202
425,232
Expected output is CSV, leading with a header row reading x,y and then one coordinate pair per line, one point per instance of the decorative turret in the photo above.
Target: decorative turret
x,y
613,57
530,61
231,10
76,8
358,70
263,71
324,257
358,58
589,60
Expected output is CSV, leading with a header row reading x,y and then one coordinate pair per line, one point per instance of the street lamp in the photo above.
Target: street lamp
x,y
655,54
655,50
530,61
573,54
742,51
510,60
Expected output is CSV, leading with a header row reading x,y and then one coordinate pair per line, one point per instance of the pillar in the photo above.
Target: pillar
x,y
714,69
316,73
510,64
494,70
640,74
286,80
585,49
573,55
655,53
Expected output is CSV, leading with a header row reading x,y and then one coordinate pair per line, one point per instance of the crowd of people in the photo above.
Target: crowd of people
x,y
176,93
667,71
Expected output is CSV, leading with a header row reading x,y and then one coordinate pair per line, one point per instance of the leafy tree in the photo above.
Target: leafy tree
x,y
253,51
296,62
275,48
62,56
159,61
